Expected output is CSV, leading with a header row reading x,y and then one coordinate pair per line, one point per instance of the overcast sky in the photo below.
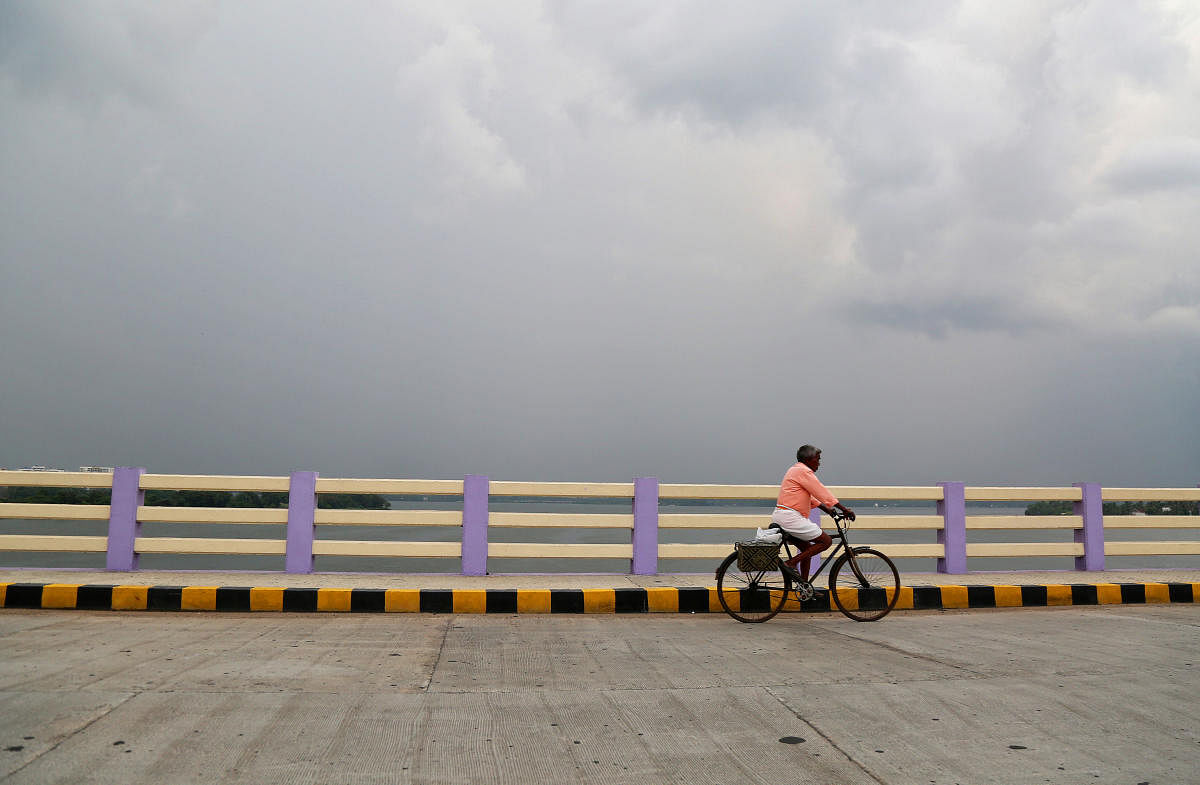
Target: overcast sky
x,y
593,241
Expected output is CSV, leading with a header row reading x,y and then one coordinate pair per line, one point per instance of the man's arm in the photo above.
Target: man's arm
x,y
824,497
849,513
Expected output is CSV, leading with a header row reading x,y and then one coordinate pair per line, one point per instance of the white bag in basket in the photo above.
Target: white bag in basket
x,y
773,536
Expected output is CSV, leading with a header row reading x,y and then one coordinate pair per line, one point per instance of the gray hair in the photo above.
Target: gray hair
x,y
807,452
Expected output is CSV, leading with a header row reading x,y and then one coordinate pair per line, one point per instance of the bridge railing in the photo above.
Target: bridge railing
x,y
653,534
75,543
1121,524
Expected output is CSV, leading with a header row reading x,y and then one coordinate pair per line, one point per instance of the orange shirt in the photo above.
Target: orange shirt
x,y
801,490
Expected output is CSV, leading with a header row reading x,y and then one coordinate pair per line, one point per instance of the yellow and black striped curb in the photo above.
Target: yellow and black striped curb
x,y
624,600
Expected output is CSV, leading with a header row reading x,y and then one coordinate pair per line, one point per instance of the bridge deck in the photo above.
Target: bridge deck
x,y
1064,695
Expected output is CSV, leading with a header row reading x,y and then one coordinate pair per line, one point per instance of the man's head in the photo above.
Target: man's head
x,y
809,456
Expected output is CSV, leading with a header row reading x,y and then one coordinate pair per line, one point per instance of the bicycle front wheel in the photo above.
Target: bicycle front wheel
x,y
869,584
751,596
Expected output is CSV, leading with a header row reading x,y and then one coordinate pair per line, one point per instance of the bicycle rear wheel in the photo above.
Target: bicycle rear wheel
x,y
869,583
751,596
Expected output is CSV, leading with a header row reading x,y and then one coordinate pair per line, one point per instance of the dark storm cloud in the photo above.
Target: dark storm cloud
x,y
939,317
90,52
588,242
963,134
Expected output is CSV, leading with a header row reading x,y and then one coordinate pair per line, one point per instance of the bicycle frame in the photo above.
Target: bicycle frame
x,y
841,545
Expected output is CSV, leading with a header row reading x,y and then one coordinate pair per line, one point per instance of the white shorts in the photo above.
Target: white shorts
x,y
795,524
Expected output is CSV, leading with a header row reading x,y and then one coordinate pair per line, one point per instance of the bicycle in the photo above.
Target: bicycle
x,y
756,576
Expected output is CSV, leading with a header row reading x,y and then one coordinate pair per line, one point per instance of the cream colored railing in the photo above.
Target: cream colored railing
x,y
654,534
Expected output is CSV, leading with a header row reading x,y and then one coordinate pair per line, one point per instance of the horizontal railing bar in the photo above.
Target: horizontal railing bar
x,y
372,548
698,491
254,515
387,487
712,521
212,482
1162,548
1024,521
56,479
910,550
59,512
741,521
615,490
880,522
560,550
209,545
50,542
1024,549
771,492
888,492
681,550
1150,494
582,520
692,550
1152,521
999,494
538,520
389,517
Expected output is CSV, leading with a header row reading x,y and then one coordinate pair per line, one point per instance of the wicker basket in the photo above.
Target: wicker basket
x,y
756,556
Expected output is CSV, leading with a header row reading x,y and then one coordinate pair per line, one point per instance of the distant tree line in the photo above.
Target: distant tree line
x,y
156,498
1118,508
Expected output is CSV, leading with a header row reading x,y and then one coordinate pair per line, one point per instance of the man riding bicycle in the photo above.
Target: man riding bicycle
x,y
799,492
756,580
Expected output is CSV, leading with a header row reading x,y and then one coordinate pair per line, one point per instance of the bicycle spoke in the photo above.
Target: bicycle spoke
x,y
753,596
865,584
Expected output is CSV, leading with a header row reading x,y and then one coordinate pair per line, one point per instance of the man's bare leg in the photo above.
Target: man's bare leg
x,y
804,558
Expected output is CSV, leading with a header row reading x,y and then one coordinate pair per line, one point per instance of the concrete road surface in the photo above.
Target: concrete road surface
x,y
1059,695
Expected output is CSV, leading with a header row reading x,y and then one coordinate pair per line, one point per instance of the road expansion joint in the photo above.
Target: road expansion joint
x,y
825,736
107,711
438,659
908,653
201,661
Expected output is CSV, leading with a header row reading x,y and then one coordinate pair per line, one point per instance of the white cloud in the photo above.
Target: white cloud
x,y
961,149
452,85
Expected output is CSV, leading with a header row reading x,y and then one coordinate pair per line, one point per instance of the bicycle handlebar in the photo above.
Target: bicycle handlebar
x,y
837,515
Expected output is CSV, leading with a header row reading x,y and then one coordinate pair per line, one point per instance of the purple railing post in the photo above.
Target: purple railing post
x,y
953,534
123,526
475,525
814,515
1092,533
645,526
301,521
